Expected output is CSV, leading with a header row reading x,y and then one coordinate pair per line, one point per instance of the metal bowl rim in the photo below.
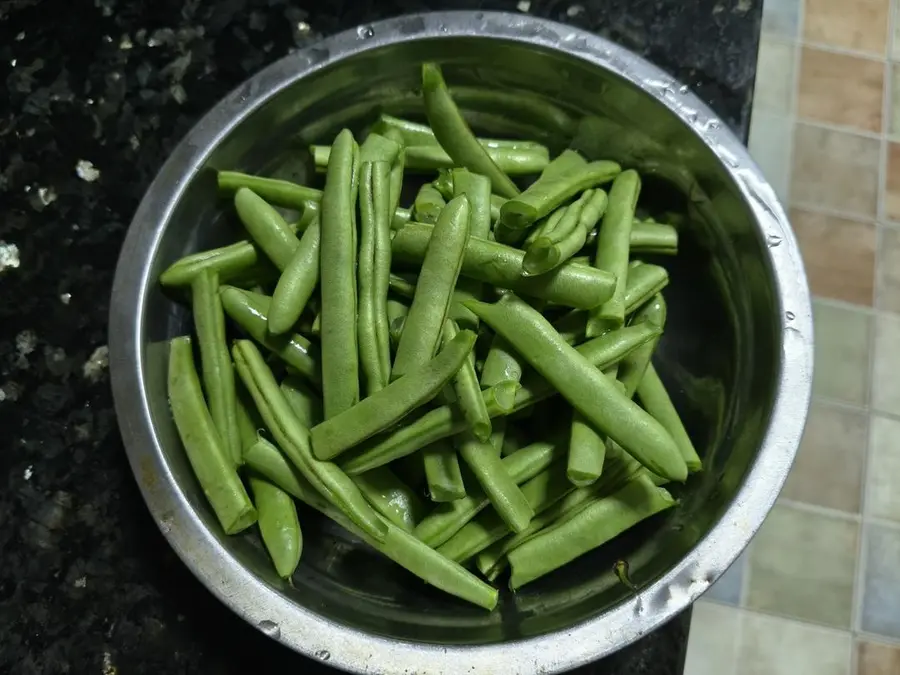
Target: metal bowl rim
x,y
359,652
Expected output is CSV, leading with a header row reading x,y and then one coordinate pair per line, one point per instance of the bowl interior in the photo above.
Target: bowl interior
x,y
720,354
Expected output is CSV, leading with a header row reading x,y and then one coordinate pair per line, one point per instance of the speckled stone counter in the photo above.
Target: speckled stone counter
x,y
94,95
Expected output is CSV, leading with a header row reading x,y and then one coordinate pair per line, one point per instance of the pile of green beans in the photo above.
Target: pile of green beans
x,y
489,347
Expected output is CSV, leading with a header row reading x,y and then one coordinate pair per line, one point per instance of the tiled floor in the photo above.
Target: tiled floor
x,y
818,590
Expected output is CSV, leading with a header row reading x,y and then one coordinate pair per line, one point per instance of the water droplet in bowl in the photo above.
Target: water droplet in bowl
x,y
790,316
773,240
365,32
323,654
683,89
270,628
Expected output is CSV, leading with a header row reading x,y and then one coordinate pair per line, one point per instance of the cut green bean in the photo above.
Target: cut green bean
x,y
587,389
266,227
296,284
552,190
521,466
293,438
541,492
340,359
248,424
587,452
644,281
442,473
378,148
502,364
445,421
560,239
513,161
590,527
278,525
469,398
373,332
634,366
212,465
653,395
441,261
305,403
389,405
398,545
215,361
391,497
250,312
414,133
649,237
477,189
569,285
613,246
455,136
428,205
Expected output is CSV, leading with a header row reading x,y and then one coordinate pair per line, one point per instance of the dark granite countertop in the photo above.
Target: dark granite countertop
x,y
95,94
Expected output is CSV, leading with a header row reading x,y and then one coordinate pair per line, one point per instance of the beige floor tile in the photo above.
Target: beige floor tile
x,y
892,183
712,646
881,586
770,145
773,646
861,26
835,169
802,566
842,353
782,18
889,270
839,255
840,89
873,658
882,493
886,366
829,466
774,76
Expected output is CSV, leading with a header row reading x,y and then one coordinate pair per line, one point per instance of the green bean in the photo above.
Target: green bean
x,y
293,438
266,227
510,161
541,492
469,398
559,240
434,288
547,224
521,466
397,312
250,312
296,284
428,205
398,545
442,472
587,389
497,203
414,134
505,496
215,361
305,404
391,497
569,285
212,465
277,192
552,190
378,148
644,281
290,195
404,285
248,425
502,364
278,525
373,333
619,470
389,405
612,250
454,134
340,359
653,395
399,216
590,527
634,366
587,451
477,189
445,421
525,104
653,238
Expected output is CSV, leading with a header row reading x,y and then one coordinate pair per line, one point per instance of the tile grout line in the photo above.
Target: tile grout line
x,y
842,128
817,510
842,51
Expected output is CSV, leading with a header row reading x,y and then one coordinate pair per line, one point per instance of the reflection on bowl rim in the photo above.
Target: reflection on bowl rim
x,y
349,648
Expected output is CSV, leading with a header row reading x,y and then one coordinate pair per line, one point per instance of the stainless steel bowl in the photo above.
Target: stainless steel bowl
x,y
737,352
